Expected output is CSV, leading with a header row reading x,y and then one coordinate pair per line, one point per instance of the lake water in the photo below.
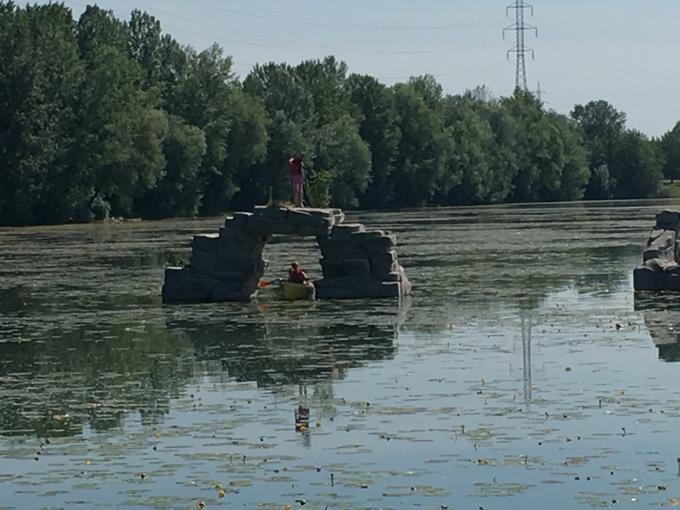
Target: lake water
x,y
522,373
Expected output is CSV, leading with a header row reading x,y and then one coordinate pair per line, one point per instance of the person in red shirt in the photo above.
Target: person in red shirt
x,y
296,172
296,274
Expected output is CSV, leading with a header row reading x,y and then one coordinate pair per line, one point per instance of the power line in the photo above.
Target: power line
x,y
274,15
282,43
520,50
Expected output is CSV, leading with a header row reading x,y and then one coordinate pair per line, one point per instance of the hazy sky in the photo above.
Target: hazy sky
x,y
625,51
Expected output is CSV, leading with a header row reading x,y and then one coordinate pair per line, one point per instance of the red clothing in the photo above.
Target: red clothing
x,y
297,276
294,166
298,183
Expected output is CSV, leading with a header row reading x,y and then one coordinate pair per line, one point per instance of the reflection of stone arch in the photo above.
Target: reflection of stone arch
x,y
227,266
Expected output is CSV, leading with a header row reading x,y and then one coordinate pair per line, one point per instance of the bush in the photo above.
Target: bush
x,y
319,188
101,209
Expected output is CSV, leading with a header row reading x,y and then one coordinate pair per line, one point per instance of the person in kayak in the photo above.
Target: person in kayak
x,y
296,274
296,172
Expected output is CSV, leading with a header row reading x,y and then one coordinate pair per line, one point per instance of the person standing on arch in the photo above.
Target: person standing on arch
x,y
296,172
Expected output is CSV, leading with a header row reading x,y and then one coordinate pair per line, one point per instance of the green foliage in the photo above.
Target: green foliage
x,y
424,147
638,167
40,74
103,117
341,149
625,164
318,193
178,192
670,152
378,127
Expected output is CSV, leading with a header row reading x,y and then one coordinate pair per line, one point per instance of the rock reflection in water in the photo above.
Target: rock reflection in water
x,y
285,353
95,377
660,312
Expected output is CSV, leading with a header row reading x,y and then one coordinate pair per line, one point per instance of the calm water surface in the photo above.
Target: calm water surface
x,y
522,373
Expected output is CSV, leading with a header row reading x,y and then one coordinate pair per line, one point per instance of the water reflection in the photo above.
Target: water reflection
x,y
85,346
96,375
278,354
526,358
89,377
660,312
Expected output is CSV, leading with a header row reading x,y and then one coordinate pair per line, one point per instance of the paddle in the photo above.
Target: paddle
x,y
263,284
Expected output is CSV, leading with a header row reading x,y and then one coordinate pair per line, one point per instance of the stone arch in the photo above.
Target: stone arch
x,y
228,265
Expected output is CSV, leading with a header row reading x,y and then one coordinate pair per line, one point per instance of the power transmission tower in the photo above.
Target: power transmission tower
x,y
520,50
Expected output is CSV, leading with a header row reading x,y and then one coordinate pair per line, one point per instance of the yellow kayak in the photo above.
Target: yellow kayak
x,y
296,291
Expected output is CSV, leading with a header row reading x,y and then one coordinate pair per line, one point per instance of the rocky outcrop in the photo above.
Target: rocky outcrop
x,y
227,266
659,269
360,263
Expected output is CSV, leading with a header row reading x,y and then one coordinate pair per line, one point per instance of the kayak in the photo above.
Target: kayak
x,y
296,291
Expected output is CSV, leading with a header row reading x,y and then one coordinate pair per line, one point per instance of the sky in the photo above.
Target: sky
x,y
624,51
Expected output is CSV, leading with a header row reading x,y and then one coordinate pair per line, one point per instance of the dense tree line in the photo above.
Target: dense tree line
x,y
103,117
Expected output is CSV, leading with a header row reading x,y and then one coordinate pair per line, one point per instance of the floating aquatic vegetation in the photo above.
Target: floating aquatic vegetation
x,y
503,376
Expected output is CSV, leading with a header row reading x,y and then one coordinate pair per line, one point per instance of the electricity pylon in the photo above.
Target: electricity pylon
x,y
520,27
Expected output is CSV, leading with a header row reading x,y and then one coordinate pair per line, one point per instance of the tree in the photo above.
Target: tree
x,y
567,161
342,151
603,128
282,90
203,99
424,148
670,149
117,155
471,175
378,127
325,82
144,46
247,140
500,149
291,129
179,191
551,162
40,74
102,117
638,167
268,179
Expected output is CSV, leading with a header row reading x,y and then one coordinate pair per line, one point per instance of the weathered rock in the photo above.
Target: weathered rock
x,y
668,220
342,253
382,263
206,242
304,222
356,267
238,221
204,260
358,290
346,230
663,246
227,266
645,278
660,269
333,268
394,276
182,285
232,237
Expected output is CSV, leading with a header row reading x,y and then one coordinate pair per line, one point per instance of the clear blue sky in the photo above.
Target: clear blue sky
x,y
625,51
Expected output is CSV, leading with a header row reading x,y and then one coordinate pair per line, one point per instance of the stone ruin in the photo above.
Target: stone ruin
x,y
227,266
660,269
